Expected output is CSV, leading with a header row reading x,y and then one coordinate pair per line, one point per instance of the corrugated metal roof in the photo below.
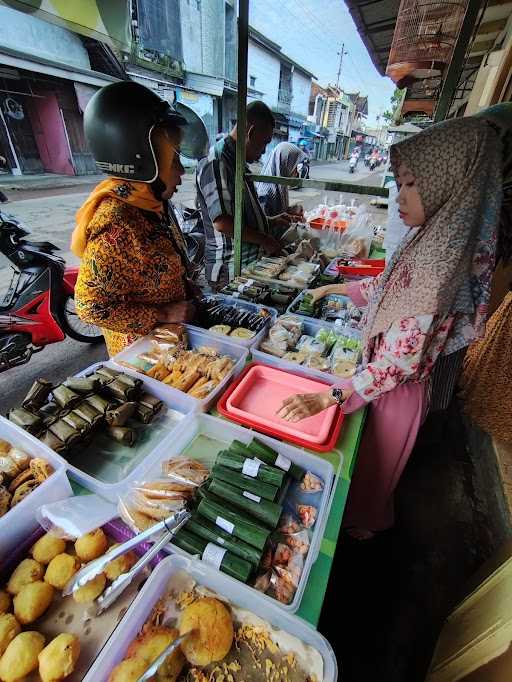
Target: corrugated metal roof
x,y
375,21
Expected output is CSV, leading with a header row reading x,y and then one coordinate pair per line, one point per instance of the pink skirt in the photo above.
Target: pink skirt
x,y
390,432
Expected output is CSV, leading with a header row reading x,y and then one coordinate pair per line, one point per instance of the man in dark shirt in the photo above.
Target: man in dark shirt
x,y
216,195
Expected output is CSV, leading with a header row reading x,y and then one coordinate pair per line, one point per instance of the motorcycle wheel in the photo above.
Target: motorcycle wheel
x,y
75,328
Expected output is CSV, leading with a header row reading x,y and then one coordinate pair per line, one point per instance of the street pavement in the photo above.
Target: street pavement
x,y
50,215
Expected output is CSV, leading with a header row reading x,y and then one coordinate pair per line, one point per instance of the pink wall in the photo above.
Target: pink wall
x,y
50,134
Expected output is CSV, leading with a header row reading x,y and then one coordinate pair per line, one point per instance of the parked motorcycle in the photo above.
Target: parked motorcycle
x,y
38,307
303,169
352,164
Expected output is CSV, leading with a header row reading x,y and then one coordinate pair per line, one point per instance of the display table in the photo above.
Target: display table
x,y
345,454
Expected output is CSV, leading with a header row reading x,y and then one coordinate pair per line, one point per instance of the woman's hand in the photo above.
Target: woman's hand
x,y
182,311
321,292
282,219
301,406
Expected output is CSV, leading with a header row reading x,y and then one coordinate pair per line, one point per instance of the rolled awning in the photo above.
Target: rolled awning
x,y
105,20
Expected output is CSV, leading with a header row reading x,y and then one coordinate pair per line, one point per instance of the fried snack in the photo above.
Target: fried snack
x,y
201,391
5,602
61,569
5,446
19,457
40,469
23,477
20,657
185,470
91,545
135,518
26,572
120,565
23,490
58,659
91,590
128,670
214,635
186,381
150,644
47,548
158,371
32,601
5,500
9,628
8,467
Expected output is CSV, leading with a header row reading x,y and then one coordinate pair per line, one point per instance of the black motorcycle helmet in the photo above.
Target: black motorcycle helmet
x,y
118,122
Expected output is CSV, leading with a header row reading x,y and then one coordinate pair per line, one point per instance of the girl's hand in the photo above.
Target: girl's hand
x,y
317,294
302,406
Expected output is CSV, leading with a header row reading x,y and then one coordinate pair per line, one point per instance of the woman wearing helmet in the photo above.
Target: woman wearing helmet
x,y
133,271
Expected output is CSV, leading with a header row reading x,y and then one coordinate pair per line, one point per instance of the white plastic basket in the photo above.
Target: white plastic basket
x,y
243,305
239,595
196,337
225,432
180,402
21,520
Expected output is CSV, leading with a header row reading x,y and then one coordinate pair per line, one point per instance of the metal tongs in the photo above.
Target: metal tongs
x,y
170,525
168,651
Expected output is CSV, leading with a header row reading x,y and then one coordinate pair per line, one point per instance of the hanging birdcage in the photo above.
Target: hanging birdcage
x,y
424,38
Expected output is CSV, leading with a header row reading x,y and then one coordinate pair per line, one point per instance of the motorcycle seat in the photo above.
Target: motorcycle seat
x,y
41,246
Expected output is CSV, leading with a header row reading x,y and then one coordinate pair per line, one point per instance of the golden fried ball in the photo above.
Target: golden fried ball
x,y
214,635
128,670
58,659
60,570
5,602
9,628
150,644
90,590
92,545
20,657
120,565
47,548
32,601
28,571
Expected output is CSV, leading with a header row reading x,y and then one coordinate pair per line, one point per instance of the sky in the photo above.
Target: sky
x,y
312,34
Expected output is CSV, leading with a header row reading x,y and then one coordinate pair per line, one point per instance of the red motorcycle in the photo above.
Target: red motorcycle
x,y
39,306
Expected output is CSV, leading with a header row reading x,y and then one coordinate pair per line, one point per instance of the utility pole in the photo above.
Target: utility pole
x,y
340,54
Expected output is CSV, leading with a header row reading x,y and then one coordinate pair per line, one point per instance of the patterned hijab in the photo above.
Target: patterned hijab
x,y
445,266
139,194
283,160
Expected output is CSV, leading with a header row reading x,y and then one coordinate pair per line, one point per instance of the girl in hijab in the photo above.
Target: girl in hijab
x,y
487,376
134,267
283,161
430,302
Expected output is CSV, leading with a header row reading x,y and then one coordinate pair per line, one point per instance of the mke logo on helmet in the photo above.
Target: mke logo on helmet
x,y
108,167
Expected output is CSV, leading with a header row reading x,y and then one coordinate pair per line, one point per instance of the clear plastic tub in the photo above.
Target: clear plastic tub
x,y
127,630
310,326
243,305
21,520
203,436
293,309
196,337
179,406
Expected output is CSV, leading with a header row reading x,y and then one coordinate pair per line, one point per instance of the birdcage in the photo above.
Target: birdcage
x,y
424,38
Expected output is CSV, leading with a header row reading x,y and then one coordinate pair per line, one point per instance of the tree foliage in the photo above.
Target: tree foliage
x,y
396,100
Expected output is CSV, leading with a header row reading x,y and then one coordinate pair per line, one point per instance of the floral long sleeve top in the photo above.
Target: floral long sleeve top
x,y
407,351
130,268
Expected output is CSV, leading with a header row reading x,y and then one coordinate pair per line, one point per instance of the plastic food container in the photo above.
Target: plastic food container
x,y
294,307
262,391
181,405
21,520
243,305
310,326
196,337
203,436
259,392
324,224
115,650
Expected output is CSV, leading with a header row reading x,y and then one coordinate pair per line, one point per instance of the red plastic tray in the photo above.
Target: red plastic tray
x,y
373,267
322,223
274,430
